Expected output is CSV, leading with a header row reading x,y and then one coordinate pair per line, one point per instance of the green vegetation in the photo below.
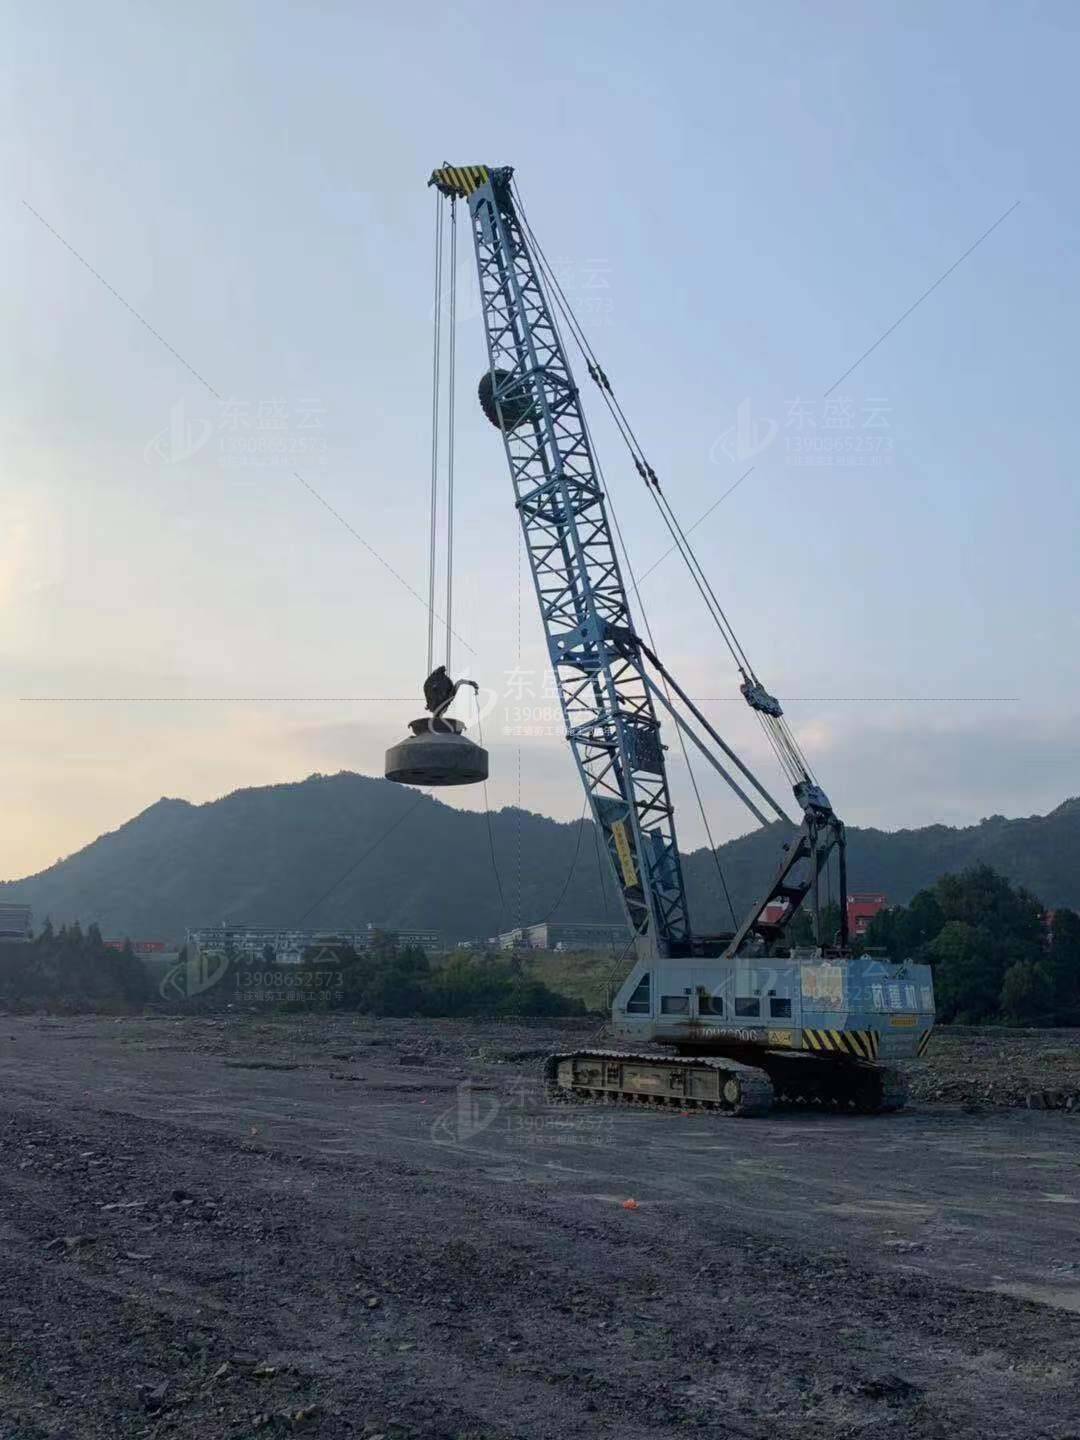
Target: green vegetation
x,y
590,976
393,981
989,945
70,970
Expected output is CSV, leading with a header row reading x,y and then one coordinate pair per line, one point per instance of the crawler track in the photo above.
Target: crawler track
x,y
860,1086
726,1086
651,1078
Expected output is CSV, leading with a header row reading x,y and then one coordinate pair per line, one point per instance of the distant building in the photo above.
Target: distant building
x,y
289,945
143,947
426,939
252,941
861,909
15,924
562,935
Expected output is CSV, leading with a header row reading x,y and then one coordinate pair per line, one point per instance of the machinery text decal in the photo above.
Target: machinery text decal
x,y
626,858
732,1032
823,982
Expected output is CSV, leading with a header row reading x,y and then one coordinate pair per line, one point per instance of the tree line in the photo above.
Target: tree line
x,y
996,954
393,980
74,970
71,969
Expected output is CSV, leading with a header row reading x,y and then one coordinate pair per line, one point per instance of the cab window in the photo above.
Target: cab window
x,y
640,1002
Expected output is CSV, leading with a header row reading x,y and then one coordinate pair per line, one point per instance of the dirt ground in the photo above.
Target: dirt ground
x,y
333,1227
991,1065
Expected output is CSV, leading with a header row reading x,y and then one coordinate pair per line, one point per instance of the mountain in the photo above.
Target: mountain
x,y
347,849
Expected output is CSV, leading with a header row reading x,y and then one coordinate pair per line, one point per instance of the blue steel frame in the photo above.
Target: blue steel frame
x,y
606,702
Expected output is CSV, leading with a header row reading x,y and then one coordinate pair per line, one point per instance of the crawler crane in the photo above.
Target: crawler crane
x,y
727,1021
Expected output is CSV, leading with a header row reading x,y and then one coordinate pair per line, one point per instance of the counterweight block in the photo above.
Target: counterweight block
x,y
436,753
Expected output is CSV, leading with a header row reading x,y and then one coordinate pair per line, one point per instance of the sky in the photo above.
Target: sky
x,y
218,247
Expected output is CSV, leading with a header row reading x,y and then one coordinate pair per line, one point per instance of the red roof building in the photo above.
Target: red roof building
x,y
861,909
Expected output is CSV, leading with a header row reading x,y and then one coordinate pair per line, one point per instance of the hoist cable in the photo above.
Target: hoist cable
x,y
571,320
663,678
667,514
451,367
487,815
435,358
573,866
780,735
667,692
671,522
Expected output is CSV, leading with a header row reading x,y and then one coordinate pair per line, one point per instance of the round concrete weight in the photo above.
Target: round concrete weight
x,y
436,753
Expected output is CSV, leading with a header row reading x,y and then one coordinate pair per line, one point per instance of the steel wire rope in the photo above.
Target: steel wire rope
x,y
436,352
667,692
487,814
671,521
786,749
652,642
648,630
641,607
450,388
668,515
573,866
358,862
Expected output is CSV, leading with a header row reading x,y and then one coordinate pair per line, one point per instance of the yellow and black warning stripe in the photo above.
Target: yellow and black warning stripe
x,y
924,1041
459,181
863,1044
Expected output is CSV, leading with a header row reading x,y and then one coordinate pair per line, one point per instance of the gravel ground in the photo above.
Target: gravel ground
x,y
340,1228
992,1065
